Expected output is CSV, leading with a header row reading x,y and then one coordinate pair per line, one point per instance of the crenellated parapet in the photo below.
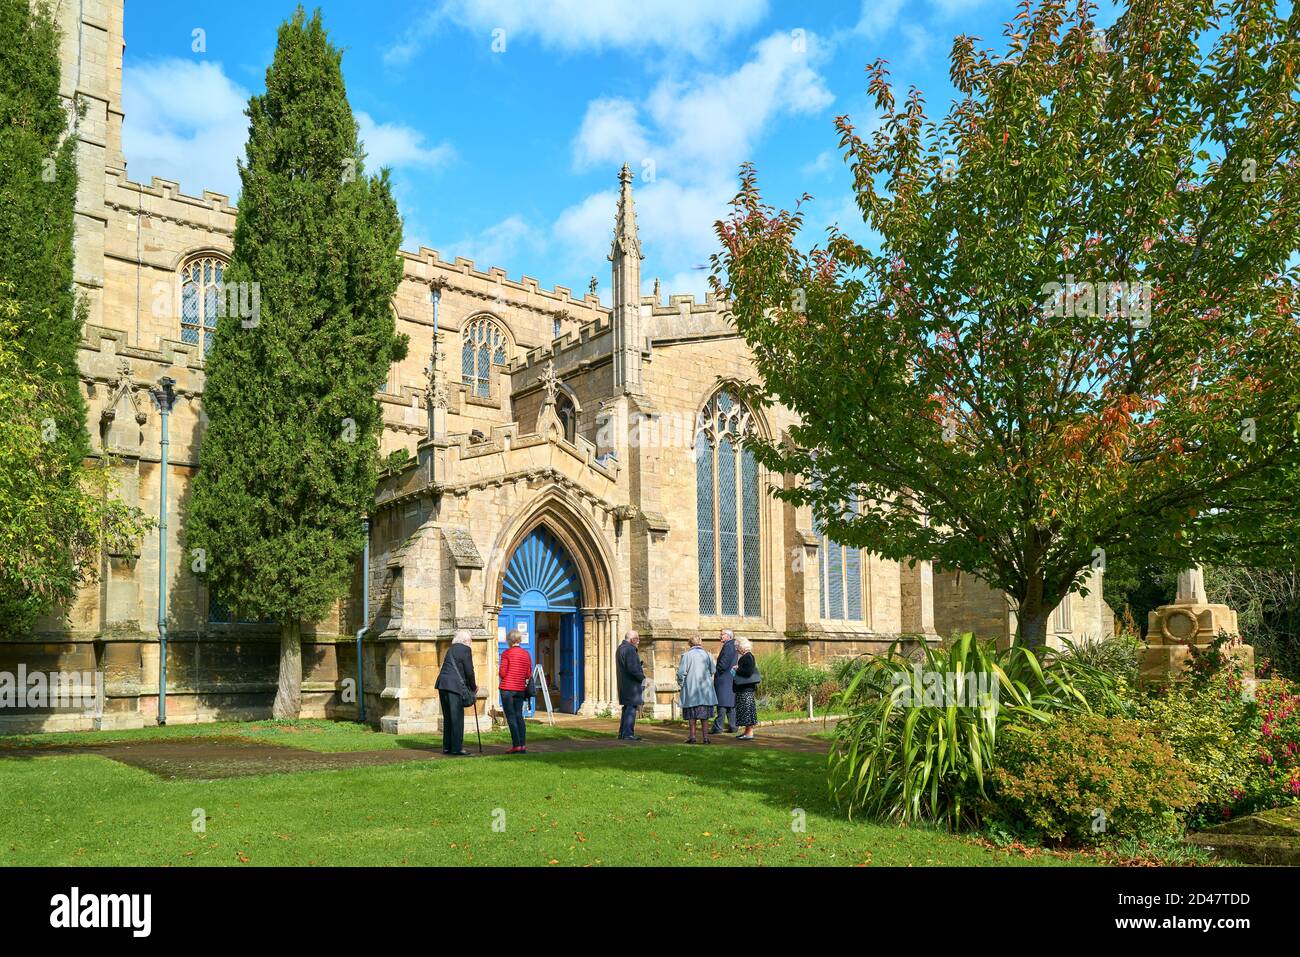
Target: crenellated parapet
x,y
494,284
575,350
163,200
462,464
683,317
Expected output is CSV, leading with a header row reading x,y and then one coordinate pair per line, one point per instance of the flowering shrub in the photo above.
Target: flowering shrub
x,y
1085,778
1240,738
1277,710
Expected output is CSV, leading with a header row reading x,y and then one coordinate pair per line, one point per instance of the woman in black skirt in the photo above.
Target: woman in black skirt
x,y
746,682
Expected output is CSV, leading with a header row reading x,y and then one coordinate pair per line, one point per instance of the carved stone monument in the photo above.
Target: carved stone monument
x,y
1190,622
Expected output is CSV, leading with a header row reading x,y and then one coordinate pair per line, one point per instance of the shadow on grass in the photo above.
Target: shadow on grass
x,y
781,779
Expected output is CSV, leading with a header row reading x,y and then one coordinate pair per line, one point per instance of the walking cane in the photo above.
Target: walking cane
x,y
476,731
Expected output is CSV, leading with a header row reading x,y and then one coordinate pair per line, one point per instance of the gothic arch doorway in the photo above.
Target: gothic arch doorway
x,y
541,597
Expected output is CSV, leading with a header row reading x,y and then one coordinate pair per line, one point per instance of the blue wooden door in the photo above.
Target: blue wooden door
x,y
572,685
541,577
524,621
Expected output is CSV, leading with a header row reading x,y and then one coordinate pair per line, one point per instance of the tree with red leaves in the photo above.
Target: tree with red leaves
x,y
1076,334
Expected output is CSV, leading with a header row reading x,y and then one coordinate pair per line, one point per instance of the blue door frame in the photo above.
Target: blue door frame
x,y
541,577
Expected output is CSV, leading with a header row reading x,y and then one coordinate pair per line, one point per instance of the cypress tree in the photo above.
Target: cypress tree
x,y
38,189
287,466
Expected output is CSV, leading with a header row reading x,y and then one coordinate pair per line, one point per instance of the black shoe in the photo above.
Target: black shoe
x,y
462,754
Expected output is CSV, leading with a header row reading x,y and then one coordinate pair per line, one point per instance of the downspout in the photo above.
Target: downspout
x,y
165,396
365,621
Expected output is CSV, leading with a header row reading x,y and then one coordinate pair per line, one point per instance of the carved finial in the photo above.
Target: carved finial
x,y
435,384
656,288
626,240
593,286
550,382
438,356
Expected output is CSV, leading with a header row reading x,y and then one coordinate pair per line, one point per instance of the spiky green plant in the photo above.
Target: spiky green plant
x,y
923,728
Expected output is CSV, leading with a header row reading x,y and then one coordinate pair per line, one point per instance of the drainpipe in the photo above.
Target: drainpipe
x,y
365,620
165,396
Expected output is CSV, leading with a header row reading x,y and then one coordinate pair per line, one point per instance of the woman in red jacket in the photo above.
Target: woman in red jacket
x,y
516,666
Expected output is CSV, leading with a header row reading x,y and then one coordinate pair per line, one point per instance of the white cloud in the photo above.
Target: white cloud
x,y
392,144
184,122
611,133
695,133
919,42
877,18
690,26
820,165
500,243
949,8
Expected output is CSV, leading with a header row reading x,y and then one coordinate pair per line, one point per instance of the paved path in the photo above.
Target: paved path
x,y
223,757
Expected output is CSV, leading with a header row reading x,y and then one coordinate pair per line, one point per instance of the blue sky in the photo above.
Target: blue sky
x,y
505,121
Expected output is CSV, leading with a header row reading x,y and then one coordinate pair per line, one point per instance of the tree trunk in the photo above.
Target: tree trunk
x,y
1032,627
288,692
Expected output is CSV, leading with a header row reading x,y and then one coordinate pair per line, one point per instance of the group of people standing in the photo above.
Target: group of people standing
x,y
713,693
457,690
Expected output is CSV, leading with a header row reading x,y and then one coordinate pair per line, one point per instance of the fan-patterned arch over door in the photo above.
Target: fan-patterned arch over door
x,y
541,575
727,510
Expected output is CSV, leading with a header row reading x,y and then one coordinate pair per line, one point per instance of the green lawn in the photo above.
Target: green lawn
x,y
331,737
640,805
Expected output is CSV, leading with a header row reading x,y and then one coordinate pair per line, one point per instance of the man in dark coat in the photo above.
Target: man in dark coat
x,y
722,682
456,690
631,676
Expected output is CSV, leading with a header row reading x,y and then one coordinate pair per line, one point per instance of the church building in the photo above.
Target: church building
x,y
573,468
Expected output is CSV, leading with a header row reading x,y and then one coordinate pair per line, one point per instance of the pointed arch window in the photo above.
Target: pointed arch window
x,y
568,415
201,300
840,571
483,346
727,514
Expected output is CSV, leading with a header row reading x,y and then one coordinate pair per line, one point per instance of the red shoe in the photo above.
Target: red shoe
x,y
513,751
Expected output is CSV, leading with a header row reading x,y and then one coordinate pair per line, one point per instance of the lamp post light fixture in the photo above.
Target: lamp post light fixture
x,y
165,396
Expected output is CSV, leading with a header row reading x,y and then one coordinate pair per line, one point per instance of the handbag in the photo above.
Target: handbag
x,y
745,682
530,686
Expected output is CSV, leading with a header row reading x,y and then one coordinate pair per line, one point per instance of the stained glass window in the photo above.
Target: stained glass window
x,y
727,487
749,506
201,300
704,520
483,345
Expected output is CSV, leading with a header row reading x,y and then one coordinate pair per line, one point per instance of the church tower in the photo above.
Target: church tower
x,y
626,316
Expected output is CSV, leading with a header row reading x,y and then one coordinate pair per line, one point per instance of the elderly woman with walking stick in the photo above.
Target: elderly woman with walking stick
x,y
456,692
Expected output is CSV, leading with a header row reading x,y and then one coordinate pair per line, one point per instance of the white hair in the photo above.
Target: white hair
x,y
463,638
729,633
744,644
631,634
